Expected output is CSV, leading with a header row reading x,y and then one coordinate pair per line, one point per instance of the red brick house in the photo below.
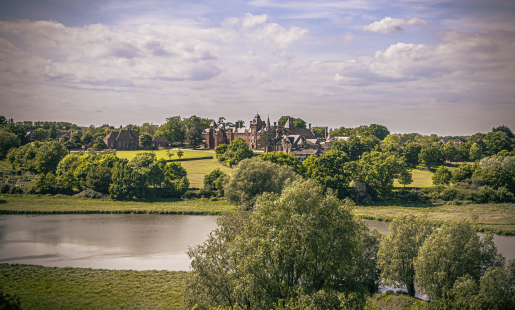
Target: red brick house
x,y
129,140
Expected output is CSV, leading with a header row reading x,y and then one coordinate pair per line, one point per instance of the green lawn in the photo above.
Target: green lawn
x,y
420,179
496,218
162,154
196,169
83,288
20,203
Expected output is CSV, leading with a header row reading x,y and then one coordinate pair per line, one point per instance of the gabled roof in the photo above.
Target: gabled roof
x,y
160,140
304,132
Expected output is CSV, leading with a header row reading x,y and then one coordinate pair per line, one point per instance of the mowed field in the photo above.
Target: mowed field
x,y
420,179
196,169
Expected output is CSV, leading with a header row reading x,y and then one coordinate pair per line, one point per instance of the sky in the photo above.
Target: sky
x,y
444,67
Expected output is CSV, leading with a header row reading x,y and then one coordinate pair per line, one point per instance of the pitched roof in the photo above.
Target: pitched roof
x,y
304,132
160,140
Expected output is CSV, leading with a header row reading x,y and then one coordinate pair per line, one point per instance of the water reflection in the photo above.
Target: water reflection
x,y
128,241
120,241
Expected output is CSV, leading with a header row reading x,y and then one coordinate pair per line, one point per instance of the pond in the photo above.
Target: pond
x,y
120,241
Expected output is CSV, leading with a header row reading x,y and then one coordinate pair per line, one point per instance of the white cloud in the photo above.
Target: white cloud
x,y
253,20
393,25
275,36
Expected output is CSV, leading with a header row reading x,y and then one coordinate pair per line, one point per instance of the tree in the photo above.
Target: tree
x,y
378,170
173,130
430,155
3,120
86,138
463,172
194,133
283,159
169,154
272,138
379,131
405,177
235,152
475,152
329,171
64,139
464,151
69,145
356,146
319,130
411,150
99,144
52,133
450,151
17,130
504,129
39,134
8,141
452,252
300,250
9,301
148,128
48,157
75,138
397,251
442,176
252,177
180,153
215,180
496,142
297,122
145,140
99,179
240,123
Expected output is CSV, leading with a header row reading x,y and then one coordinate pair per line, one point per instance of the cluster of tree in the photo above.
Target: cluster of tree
x,y
39,157
379,131
30,125
177,130
296,250
11,136
143,177
297,122
452,266
230,155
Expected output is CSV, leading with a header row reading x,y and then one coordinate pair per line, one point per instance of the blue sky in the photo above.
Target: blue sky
x,y
444,67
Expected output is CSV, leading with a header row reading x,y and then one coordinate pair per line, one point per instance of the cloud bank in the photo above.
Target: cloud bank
x,y
394,25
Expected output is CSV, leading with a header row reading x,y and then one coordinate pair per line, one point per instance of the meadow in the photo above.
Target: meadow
x,y
421,178
196,168
67,204
84,288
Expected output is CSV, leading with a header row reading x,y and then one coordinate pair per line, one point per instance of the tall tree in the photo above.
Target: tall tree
x,y
52,133
475,152
173,130
397,251
297,122
195,132
39,134
148,128
145,140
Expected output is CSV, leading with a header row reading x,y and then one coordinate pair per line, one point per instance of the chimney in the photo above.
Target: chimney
x,y
326,132
275,124
309,126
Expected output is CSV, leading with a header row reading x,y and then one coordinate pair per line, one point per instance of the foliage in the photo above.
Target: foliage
x,y
430,155
297,122
235,152
397,251
39,134
99,143
293,250
378,170
329,171
18,131
504,129
214,180
319,130
145,140
194,132
272,138
496,142
8,140
442,176
173,130
148,129
356,146
38,157
52,133
450,151
86,138
463,172
180,153
283,159
253,177
452,252
75,138
476,153
411,150
9,301
405,177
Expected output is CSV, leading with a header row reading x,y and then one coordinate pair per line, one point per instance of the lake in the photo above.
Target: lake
x,y
120,241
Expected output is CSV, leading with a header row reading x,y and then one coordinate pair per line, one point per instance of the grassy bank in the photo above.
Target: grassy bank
x,y
83,288
495,218
50,204
162,154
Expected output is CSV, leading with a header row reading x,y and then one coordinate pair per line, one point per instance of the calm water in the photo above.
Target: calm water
x,y
128,241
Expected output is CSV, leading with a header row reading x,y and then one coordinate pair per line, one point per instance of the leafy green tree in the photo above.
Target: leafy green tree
x,y
442,176
297,122
145,140
319,130
39,134
463,172
411,150
69,145
379,131
397,251
169,154
237,151
452,252
378,171
252,177
3,120
75,138
299,250
356,146
215,180
46,183
180,153
405,177
17,130
329,171
52,133
64,139
173,130
133,127
450,151
504,129
99,179
48,157
99,144
464,151
8,301
86,138
272,138
8,141
393,139
496,142
194,132
176,179
284,160
498,176
430,155
475,152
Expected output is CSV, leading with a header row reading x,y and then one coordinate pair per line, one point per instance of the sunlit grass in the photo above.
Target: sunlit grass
x,y
61,204
420,179
496,218
162,154
83,288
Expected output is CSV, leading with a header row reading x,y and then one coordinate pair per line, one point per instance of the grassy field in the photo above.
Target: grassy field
x,y
420,179
394,301
83,288
496,218
196,169
162,154
46,204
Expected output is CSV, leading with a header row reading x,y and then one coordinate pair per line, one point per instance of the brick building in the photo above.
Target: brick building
x,y
129,140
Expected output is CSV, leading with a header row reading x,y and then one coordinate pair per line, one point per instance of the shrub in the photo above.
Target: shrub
x,y
89,193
